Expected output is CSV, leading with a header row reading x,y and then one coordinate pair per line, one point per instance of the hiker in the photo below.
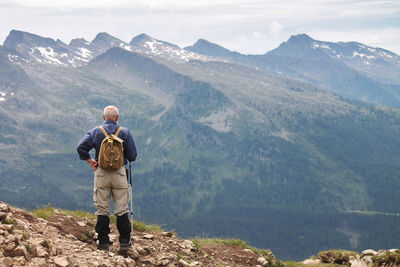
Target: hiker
x,y
110,182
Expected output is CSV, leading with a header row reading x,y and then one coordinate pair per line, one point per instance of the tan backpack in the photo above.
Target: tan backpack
x,y
111,154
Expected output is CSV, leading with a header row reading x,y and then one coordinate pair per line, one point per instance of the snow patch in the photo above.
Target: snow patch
x,y
356,54
85,53
126,47
13,58
316,45
152,45
49,54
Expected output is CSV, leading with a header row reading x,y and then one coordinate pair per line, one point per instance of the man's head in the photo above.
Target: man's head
x,y
111,113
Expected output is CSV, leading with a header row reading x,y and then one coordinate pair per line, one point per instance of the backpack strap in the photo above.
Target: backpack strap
x,y
118,131
103,130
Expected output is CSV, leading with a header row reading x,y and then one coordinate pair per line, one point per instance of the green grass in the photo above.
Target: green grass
x,y
200,242
299,264
48,211
336,256
143,227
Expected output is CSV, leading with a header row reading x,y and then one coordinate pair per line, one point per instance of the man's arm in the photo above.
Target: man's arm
x,y
83,148
130,148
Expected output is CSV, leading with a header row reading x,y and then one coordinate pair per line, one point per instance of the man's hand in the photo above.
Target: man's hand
x,y
92,163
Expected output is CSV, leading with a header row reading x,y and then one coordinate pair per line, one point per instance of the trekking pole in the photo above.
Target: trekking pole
x,y
130,191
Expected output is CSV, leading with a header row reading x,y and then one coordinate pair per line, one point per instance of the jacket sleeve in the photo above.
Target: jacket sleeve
x,y
130,147
84,146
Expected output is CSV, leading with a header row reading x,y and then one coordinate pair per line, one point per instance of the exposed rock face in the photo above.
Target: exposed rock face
x,y
29,241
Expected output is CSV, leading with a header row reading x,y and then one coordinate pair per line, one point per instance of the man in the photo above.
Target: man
x,y
109,183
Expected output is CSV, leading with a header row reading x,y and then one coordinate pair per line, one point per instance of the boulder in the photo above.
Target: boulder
x,y
18,252
3,215
4,207
61,261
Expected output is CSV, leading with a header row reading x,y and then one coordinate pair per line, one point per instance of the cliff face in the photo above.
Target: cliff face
x,y
68,240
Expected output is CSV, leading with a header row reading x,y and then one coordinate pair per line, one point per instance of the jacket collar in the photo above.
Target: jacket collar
x,y
110,122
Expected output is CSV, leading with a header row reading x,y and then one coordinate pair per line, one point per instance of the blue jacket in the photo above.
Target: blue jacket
x,y
95,136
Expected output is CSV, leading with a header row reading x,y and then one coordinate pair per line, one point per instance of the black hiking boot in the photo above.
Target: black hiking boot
x,y
124,247
103,246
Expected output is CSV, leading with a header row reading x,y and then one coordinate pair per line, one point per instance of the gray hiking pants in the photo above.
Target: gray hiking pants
x,y
111,183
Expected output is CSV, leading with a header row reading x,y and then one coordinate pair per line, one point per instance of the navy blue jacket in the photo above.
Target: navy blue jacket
x,y
95,136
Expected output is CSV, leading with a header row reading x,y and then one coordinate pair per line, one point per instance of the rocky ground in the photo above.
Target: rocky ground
x,y
63,240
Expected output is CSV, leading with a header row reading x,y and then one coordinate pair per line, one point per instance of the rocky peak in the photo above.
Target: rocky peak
x,y
140,38
106,40
300,39
79,42
17,38
205,47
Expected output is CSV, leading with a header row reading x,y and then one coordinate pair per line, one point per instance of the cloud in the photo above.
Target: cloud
x,y
248,26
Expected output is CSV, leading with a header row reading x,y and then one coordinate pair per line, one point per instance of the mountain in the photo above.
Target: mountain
x,y
148,45
376,62
79,52
350,69
224,149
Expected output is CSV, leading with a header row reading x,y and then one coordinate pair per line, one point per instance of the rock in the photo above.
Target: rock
x,y
81,224
357,262
165,259
262,261
148,236
120,261
19,251
9,247
187,246
8,227
59,250
71,236
61,261
3,215
249,251
183,263
312,262
40,252
369,252
4,207
22,225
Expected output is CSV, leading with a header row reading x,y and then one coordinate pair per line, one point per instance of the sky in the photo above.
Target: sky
x,y
246,26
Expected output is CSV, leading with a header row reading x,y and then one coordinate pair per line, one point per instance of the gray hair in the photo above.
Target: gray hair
x,y
110,112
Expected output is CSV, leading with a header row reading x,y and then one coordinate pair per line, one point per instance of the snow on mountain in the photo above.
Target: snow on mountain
x,y
148,45
79,51
378,63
